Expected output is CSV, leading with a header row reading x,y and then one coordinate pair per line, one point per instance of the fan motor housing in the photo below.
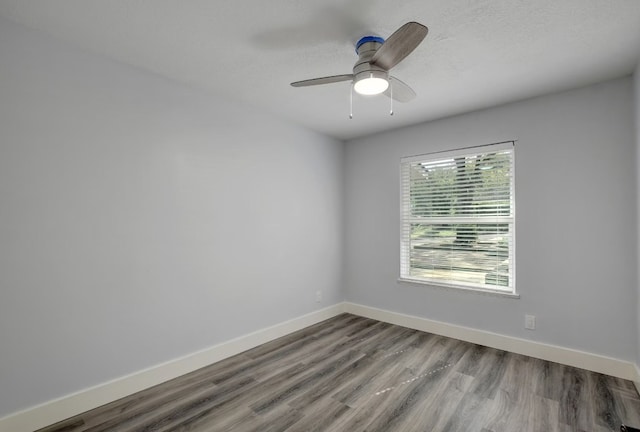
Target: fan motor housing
x,y
366,48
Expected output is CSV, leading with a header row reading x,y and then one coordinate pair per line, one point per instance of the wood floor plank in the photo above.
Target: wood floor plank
x,y
470,414
543,417
606,413
307,382
441,404
320,416
369,403
398,413
352,374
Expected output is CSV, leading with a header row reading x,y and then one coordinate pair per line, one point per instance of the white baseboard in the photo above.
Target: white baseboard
x,y
636,378
68,406
566,356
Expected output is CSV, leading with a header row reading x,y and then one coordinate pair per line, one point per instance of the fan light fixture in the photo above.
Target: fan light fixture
x,y
371,85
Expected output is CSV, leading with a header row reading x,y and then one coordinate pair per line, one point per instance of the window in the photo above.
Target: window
x,y
457,213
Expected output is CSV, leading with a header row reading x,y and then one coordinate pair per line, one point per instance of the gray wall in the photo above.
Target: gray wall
x,y
636,77
141,220
575,212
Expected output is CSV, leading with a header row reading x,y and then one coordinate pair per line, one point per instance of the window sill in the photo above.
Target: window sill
x,y
461,288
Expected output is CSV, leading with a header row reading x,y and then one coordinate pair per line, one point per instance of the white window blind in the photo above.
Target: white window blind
x,y
458,218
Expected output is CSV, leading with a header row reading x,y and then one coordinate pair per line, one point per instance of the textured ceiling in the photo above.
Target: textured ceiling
x,y
478,53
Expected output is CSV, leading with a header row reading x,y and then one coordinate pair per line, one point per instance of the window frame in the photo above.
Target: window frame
x,y
405,225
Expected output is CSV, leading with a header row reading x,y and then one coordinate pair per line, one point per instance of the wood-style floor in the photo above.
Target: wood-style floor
x,y
351,374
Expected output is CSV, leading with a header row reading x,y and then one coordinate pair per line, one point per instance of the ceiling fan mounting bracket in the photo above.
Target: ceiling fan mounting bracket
x,y
366,48
366,39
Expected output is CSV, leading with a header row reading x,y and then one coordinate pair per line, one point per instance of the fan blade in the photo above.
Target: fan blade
x,y
323,80
399,45
401,91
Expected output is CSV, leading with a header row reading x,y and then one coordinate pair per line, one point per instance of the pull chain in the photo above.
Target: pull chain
x,y
390,99
351,102
391,94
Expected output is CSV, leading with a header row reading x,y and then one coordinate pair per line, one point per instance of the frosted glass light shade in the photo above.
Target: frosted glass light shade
x,y
371,85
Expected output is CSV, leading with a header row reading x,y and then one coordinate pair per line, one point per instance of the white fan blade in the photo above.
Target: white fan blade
x,y
399,45
400,91
323,80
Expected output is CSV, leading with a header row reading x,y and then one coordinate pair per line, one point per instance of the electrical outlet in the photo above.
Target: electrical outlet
x,y
530,322
318,296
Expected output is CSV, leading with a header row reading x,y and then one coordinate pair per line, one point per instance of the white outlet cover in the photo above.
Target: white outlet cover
x,y
530,322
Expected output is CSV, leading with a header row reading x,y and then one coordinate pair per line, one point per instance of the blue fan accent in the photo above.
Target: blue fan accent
x,y
366,39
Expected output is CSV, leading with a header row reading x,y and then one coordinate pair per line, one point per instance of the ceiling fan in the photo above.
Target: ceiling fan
x,y
375,58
